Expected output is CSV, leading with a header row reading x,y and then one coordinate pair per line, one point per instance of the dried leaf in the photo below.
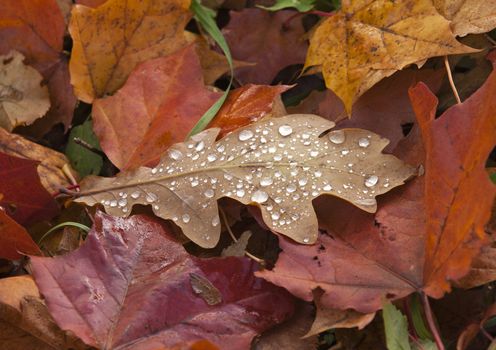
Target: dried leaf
x,y
22,98
258,36
15,241
238,248
161,101
128,287
111,40
482,270
368,40
280,164
36,29
248,104
51,164
468,16
24,198
205,289
25,321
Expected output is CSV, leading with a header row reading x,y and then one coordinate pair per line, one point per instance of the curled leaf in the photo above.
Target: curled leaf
x,y
279,164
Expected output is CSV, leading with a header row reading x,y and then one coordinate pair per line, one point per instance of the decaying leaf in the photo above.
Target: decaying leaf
x,y
468,16
15,241
368,40
23,196
111,40
22,98
128,287
238,248
279,164
205,289
51,165
482,270
24,319
259,37
161,101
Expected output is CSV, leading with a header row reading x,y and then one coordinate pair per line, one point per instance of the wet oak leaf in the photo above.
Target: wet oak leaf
x,y
258,36
248,104
279,164
22,98
468,16
24,198
128,287
25,321
111,40
161,101
15,241
36,29
368,40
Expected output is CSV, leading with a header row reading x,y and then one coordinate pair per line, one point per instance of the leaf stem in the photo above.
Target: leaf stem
x,y
430,321
89,147
450,78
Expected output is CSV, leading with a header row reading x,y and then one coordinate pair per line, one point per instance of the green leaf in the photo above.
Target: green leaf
x,y
423,344
418,320
82,159
82,227
205,17
396,327
300,5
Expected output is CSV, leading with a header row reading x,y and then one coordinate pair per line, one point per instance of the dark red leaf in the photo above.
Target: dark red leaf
x,y
15,240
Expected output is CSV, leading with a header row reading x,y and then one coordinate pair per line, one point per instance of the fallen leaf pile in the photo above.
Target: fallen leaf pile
x,y
339,197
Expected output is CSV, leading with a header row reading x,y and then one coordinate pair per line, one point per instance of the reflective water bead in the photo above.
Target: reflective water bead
x,y
318,173
215,221
228,177
122,202
327,187
306,240
314,153
371,180
275,216
151,197
240,193
259,196
194,183
209,193
154,170
278,200
175,154
113,203
266,181
345,152
245,135
366,202
364,142
278,157
186,218
135,195
285,130
337,137
291,188
221,148
211,158
200,146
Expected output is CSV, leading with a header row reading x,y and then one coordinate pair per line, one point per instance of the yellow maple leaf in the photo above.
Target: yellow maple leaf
x,y
368,40
111,40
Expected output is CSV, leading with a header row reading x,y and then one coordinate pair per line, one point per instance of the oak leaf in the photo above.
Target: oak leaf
x,y
468,16
15,241
279,164
25,321
420,238
53,165
161,101
22,98
258,36
36,29
23,196
368,40
112,39
129,287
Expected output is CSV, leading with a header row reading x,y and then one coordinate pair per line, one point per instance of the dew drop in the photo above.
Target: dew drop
x,y
211,158
302,181
345,152
186,218
305,136
215,221
291,188
156,207
314,153
175,154
272,149
364,142
278,157
194,183
266,181
240,193
278,200
154,170
315,193
337,137
275,216
318,173
228,177
306,240
327,187
113,203
200,146
151,197
285,130
135,195
221,148
245,135
209,193
259,196
371,181
122,202
366,202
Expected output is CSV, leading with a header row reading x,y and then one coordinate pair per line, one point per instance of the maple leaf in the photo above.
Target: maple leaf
x,y
468,16
52,164
129,287
280,164
112,39
25,321
419,239
22,98
24,198
368,40
161,101
248,104
258,36
15,241
36,29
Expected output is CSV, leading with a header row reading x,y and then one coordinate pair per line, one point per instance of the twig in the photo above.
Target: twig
x,y
431,322
450,78
491,40
251,256
89,147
